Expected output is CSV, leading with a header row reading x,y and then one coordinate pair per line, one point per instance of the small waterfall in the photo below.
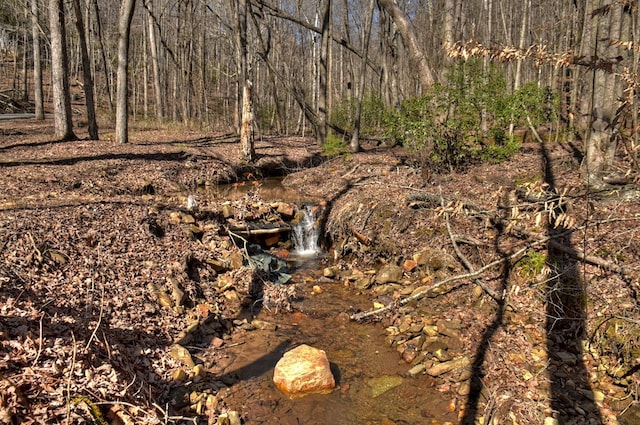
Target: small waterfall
x,y
305,232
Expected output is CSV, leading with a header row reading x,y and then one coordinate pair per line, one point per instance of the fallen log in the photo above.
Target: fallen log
x,y
243,230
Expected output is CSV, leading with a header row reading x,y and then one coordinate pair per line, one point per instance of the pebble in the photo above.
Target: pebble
x,y
416,370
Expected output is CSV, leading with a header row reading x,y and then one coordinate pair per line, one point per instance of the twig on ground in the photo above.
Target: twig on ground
x,y
93,334
493,294
35,247
577,254
167,418
35,361
73,365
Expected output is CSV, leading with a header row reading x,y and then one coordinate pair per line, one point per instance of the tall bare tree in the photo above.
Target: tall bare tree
x,y
105,63
323,92
246,111
60,73
37,61
355,137
86,73
601,97
122,90
155,63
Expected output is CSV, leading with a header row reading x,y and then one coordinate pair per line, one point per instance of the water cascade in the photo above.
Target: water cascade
x,y
305,232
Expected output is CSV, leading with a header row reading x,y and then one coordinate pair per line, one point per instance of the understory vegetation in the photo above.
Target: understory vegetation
x,y
468,118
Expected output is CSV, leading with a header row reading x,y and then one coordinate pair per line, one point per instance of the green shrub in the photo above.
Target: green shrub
x,y
335,146
531,265
467,118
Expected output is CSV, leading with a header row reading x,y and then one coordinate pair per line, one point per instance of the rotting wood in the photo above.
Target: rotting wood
x,y
362,238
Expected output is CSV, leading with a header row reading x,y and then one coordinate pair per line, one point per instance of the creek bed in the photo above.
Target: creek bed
x,y
361,361
358,356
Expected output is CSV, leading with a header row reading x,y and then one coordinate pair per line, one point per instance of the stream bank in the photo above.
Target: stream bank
x,y
102,273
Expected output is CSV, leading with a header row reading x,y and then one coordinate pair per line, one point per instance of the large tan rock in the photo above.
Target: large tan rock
x,y
304,370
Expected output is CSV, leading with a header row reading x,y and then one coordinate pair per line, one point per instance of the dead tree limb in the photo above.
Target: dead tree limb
x,y
467,264
426,291
575,253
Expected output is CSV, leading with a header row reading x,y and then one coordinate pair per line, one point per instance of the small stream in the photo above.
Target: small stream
x,y
357,352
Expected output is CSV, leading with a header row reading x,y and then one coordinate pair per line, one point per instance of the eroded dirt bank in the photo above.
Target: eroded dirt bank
x,y
103,268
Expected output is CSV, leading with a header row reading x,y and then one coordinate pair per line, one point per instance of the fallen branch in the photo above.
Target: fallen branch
x,y
493,294
576,253
590,259
424,292
259,231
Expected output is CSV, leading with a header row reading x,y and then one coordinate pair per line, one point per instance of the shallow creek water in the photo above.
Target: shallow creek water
x,y
357,353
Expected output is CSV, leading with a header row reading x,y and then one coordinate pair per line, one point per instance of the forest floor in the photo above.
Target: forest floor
x,y
526,281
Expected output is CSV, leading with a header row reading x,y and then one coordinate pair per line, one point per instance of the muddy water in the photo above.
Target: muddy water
x,y
357,353
270,188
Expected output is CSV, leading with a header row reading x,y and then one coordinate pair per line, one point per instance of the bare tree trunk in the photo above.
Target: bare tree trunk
x,y
388,77
153,48
523,32
86,73
407,32
355,137
37,62
448,37
603,104
488,5
60,73
321,131
103,53
122,90
246,125
246,129
25,74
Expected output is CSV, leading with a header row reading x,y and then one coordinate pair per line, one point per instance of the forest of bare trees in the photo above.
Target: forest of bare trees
x,y
296,67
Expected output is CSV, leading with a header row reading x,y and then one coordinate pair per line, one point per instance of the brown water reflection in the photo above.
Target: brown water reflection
x,y
268,188
357,353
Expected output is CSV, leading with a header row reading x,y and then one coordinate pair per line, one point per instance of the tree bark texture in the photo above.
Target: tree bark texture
x,y
355,137
246,129
86,73
246,112
604,93
155,64
122,89
60,73
323,113
37,62
105,64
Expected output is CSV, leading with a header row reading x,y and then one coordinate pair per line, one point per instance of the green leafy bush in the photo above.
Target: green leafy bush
x,y
335,146
466,118
531,265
